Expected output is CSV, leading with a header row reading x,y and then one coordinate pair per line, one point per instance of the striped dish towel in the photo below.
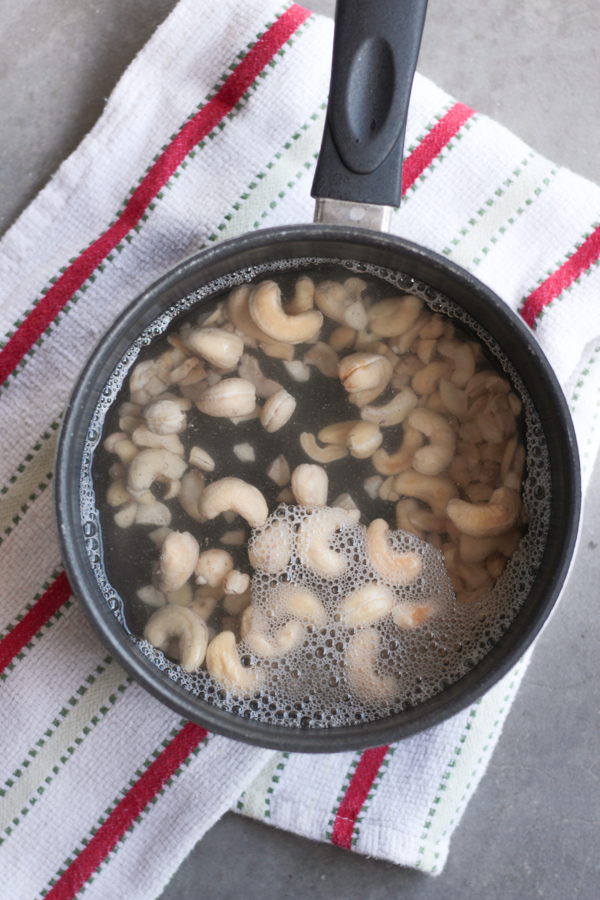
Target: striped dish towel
x,y
213,131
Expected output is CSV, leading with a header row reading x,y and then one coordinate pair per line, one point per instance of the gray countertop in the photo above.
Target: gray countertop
x,y
532,828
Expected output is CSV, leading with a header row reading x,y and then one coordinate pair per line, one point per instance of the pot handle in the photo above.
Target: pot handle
x,y
375,49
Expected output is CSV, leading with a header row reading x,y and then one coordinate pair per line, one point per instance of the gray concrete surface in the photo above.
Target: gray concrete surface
x,y
533,827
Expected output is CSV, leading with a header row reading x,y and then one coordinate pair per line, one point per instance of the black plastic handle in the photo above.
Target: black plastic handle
x,y
375,50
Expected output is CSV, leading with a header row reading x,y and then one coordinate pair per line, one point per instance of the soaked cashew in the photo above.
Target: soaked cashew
x,y
244,452
153,465
182,596
309,484
391,413
314,538
236,495
342,338
201,459
337,433
366,605
271,548
271,645
361,660
149,595
223,663
328,454
304,296
277,350
411,615
183,625
490,519
324,358
394,463
362,371
145,383
345,502
236,582
462,357
434,458
389,318
238,312
212,567
404,512
177,561
165,417
434,490
279,471
426,380
227,398
235,604
333,300
192,486
365,397
277,411
295,600
150,514
396,566
251,371
371,486
267,313
297,370
143,437
218,347
364,439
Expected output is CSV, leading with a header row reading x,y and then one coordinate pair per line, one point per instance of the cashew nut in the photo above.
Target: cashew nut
x,y
394,463
249,369
399,567
262,643
183,625
267,313
223,663
366,605
363,679
462,357
201,459
342,338
192,486
227,398
362,371
304,296
333,300
153,465
411,615
178,558
145,382
324,358
150,514
434,458
236,582
309,484
345,502
165,417
277,411
314,538
212,567
218,347
364,439
490,519
244,452
279,471
434,490
149,595
239,313
331,453
426,380
389,318
393,412
298,601
271,548
236,495
337,433
297,370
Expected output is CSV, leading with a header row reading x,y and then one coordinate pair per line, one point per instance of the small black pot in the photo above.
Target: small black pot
x,y
513,337
375,52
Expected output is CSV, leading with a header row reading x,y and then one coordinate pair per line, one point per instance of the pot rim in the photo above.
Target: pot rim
x,y
424,265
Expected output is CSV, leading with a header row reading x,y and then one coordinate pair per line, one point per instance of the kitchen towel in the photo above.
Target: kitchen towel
x,y
213,131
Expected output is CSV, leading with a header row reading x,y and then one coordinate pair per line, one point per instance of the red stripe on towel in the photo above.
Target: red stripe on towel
x,y
190,135
355,796
575,266
432,145
125,813
47,605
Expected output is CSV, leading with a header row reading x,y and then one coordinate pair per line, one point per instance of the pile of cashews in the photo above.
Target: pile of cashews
x,y
438,424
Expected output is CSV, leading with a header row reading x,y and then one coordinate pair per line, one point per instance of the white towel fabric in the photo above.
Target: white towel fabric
x,y
213,131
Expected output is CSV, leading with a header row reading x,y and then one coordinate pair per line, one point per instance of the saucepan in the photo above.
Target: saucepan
x,y
357,184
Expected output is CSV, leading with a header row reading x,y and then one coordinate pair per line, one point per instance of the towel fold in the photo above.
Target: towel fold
x,y
213,131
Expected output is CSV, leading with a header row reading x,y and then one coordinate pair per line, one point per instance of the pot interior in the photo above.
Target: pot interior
x,y
108,564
